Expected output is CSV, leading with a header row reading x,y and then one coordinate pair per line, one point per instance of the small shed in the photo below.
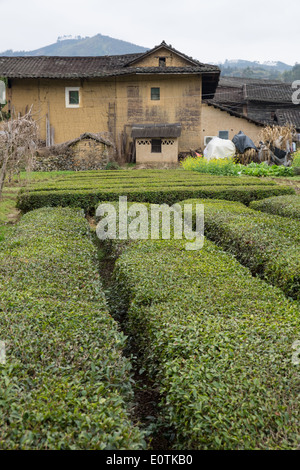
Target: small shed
x,y
90,145
156,143
87,152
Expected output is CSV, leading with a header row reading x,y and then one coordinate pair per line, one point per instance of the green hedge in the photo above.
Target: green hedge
x,y
147,182
286,206
268,244
65,384
87,199
218,343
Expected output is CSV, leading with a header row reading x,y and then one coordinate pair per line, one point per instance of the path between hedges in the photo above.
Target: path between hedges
x,y
146,412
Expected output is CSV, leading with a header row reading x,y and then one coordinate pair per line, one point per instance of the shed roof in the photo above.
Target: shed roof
x,y
86,135
156,130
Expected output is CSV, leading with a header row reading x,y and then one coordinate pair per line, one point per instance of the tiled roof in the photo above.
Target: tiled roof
x,y
288,116
239,89
88,67
239,82
228,95
273,93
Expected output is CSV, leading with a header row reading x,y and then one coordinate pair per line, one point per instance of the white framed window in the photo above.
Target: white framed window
x,y
72,97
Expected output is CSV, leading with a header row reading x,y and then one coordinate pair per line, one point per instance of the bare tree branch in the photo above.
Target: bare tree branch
x,y
18,140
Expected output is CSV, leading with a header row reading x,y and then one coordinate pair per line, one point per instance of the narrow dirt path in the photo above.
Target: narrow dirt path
x,y
146,409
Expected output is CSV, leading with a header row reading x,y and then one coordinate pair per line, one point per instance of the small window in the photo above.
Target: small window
x,y
72,97
156,145
224,135
162,61
155,94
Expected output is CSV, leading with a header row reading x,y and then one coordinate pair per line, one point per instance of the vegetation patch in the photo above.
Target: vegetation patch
x,y
65,383
286,206
227,166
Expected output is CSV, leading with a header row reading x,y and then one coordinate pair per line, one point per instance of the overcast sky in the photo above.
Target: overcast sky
x,y
208,30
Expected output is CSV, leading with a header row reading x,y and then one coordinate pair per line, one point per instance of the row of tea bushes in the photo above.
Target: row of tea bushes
x,y
87,199
151,175
174,180
65,383
218,343
267,244
286,206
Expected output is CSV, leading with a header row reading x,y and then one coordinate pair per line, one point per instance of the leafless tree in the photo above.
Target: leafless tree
x,y
18,139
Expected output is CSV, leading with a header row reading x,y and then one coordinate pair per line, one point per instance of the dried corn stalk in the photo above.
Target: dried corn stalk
x,y
250,155
277,136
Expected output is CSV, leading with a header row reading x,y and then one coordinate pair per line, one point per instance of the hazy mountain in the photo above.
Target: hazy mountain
x,y
254,69
88,46
242,64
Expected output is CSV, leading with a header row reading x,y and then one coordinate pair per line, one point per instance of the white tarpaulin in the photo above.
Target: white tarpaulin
x,y
219,148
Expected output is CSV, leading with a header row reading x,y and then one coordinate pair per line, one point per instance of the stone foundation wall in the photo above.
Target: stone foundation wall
x,y
82,156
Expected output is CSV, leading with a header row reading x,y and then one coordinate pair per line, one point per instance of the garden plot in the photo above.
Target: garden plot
x,y
154,187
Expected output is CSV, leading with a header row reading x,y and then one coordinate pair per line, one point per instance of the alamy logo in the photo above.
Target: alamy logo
x,y
296,94
137,221
2,92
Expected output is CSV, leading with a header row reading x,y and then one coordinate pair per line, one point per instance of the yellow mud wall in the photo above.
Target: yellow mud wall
x,y
180,101
215,120
112,105
48,99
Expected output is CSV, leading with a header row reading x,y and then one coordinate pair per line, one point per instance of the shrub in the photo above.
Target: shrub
x,y
112,166
286,206
268,244
87,199
65,384
218,343
296,160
